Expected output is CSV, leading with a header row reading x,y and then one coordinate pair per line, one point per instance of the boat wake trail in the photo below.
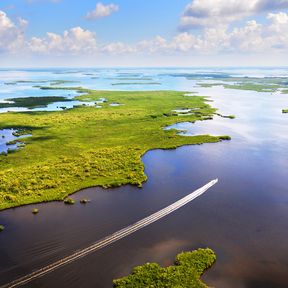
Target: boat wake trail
x,y
111,238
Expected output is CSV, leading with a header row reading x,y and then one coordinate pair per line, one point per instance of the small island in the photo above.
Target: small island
x,y
189,266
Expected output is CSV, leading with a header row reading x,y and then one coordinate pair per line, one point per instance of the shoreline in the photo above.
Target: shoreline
x,y
85,147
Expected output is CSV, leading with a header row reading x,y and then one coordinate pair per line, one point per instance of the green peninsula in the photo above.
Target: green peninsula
x,y
87,146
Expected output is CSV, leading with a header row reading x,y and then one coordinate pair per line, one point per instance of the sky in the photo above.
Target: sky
x,y
90,33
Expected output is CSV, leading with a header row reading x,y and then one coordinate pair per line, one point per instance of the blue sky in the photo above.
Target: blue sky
x,y
144,32
135,20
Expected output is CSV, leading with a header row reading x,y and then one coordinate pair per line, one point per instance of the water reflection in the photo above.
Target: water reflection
x,y
244,218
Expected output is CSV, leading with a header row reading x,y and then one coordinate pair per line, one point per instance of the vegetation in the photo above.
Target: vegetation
x,y
253,84
131,79
225,137
25,82
69,201
32,102
136,83
61,82
21,132
285,111
226,116
2,228
78,148
35,211
209,85
189,266
84,201
258,87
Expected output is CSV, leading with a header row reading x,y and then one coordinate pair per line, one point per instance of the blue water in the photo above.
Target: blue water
x,y
6,135
103,79
244,218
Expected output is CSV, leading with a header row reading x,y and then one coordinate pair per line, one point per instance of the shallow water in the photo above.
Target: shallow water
x,y
6,136
244,218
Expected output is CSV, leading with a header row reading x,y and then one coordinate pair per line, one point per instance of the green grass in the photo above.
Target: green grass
x,y
78,148
209,85
189,266
25,82
35,211
69,201
251,84
61,82
226,116
33,102
253,87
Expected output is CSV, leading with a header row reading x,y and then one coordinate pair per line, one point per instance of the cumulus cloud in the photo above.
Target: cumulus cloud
x,y
102,10
73,41
205,13
116,48
251,37
154,45
11,34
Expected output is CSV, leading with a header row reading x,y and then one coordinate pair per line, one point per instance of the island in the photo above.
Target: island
x,y
86,146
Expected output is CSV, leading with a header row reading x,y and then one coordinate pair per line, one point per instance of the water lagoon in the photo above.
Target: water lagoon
x,y
243,219
10,140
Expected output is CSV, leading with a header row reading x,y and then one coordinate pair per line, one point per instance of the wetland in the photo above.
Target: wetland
x,y
243,219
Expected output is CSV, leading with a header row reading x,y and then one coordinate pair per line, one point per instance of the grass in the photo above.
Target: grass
x,y
35,211
252,84
33,102
61,82
69,201
189,266
258,87
226,116
79,148
25,82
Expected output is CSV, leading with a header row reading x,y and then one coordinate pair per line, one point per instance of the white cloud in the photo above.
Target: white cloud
x,y
11,34
116,48
73,41
205,13
253,37
102,10
152,46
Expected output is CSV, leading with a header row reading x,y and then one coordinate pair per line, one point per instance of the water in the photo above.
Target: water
x,y
6,136
244,218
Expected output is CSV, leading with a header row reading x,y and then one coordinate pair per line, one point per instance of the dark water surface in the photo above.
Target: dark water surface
x,y
244,218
